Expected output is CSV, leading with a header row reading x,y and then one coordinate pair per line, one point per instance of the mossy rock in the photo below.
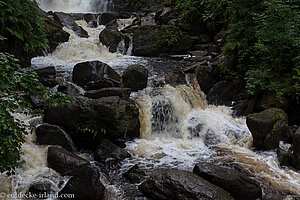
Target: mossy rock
x,y
153,40
268,128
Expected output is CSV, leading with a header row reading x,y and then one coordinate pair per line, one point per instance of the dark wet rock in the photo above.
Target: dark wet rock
x,y
198,53
47,134
199,58
224,92
67,20
64,161
85,184
106,92
244,107
284,154
296,150
93,75
47,76
90,120
269,100
293,111
176,78
268,128
134,174
70,89
235,181
39,188
272,193
148,20
165,16
206,77
108,150
135,77
205,38
108,17
110,37
91,19
156,40
180,185
292,197
55,34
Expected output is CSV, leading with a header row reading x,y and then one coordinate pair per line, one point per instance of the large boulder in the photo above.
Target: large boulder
x,y
47,76
156,40
67,20
296,150
38,188
64,161
268,128
111,37
93,75
47,134
284,154
90,120
135,77
180,185
108,150
108,17
235,181
134,174
85,184
55,34
224,92
107,92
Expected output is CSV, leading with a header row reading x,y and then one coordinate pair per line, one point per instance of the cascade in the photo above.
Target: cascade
x,y
77,6
178,127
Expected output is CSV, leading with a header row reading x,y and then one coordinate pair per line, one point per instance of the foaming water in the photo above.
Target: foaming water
x,y
77,6
33,168
265,167
178,129
77,49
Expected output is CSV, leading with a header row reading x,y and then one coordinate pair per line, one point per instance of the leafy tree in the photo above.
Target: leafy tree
x,y
22,24
15,87
263,36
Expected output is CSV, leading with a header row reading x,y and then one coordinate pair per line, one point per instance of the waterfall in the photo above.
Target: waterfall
x,y
77,6
178,129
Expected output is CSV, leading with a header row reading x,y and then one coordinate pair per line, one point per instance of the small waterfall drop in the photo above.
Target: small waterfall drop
x,y
178,129
77,6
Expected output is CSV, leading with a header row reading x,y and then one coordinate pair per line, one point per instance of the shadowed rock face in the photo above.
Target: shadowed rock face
x,y
153,40
93,75
235,181
107,149
268,128
180,185
85,184
47,134
68,21
64,161
90,120
135,77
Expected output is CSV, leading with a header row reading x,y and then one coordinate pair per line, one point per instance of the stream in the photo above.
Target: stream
x,y
178,127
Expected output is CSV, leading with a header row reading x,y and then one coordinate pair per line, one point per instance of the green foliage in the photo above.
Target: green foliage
x,y
15,87
134,5
21,22
263,36
191,11
266,35
172,35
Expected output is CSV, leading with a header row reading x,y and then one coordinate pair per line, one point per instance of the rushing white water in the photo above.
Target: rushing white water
x,y
77,6
77,49
33,168
178,128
